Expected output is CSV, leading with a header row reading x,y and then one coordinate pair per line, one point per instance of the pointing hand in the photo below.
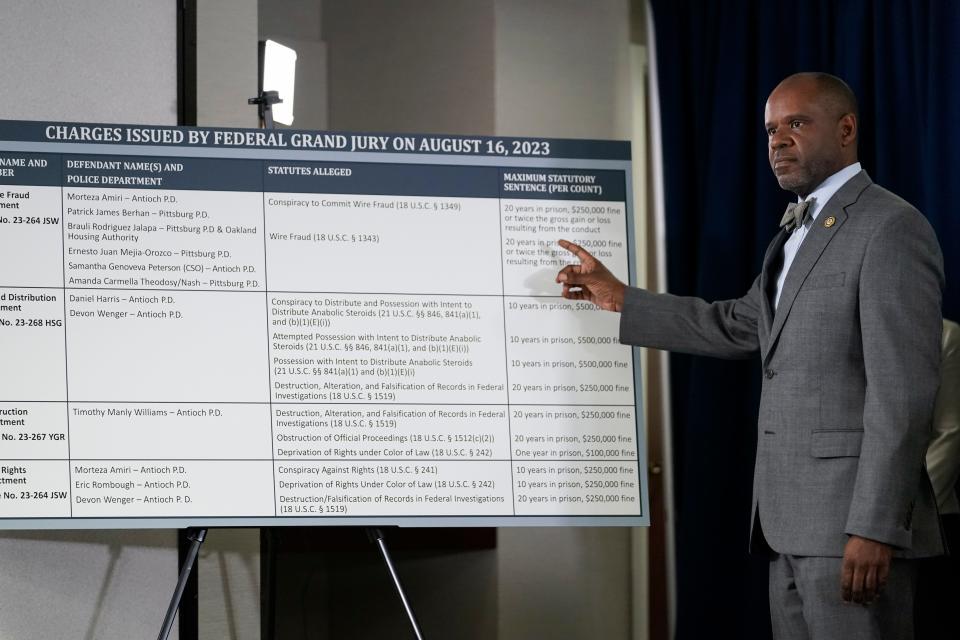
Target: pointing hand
x,y
590,280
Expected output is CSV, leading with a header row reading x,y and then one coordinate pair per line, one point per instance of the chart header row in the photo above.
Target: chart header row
x,y
323,141
224,174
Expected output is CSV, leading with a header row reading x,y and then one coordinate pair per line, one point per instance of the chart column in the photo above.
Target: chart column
x,y
572,395
166,333
34,434
389,387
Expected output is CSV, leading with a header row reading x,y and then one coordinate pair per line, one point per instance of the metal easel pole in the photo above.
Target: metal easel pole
x,y
196,537
376,536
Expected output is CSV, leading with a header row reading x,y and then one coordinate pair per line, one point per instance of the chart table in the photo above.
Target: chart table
x,y
206,335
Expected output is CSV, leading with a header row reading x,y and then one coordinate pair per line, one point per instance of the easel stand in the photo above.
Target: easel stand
x,y
264,102
376,537
196,537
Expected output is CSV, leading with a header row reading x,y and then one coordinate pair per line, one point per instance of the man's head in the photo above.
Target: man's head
x,y
811,122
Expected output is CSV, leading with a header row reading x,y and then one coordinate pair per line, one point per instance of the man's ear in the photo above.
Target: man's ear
x,y
848,129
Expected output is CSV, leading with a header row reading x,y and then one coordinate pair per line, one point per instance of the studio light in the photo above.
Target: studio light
x,y
279,74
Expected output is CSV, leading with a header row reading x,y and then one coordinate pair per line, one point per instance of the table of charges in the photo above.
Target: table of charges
x,y
226,334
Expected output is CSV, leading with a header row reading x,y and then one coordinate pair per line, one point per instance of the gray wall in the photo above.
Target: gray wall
x,y
94,61
229,585
86,585
562,68
89,60
226,62
410,66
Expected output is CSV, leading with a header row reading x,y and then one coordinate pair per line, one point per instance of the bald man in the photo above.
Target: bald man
x,y
845,317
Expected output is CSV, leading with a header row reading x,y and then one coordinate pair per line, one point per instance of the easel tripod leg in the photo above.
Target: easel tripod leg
x,y
196,537
376,536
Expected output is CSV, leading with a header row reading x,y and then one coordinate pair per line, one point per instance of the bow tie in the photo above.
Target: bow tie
x,y
796,214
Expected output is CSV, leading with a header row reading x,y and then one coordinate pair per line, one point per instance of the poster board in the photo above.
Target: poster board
x,y
238,327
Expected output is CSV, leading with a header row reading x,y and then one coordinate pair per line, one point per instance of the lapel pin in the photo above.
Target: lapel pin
x,y
829,222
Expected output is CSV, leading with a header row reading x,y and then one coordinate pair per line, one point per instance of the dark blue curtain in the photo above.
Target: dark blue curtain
x,y
717,62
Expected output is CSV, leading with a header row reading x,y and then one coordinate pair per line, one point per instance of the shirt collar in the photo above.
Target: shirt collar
x,y
830,186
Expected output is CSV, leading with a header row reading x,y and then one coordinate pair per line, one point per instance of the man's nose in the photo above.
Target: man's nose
x,y
779,140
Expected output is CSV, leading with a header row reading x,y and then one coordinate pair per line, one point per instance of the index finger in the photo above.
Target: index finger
x,y
575,249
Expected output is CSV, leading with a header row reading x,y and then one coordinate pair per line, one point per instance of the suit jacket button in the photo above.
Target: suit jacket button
x,y
769,373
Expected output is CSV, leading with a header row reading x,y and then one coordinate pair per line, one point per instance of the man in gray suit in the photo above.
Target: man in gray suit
x,y
845,316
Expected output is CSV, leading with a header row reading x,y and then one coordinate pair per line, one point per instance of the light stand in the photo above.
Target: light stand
x,y
265,101
276,76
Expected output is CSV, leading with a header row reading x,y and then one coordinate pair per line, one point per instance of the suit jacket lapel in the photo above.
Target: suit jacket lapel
x,y
812,248
770,261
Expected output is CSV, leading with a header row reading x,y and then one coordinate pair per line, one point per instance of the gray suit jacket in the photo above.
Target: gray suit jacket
x,y
850,364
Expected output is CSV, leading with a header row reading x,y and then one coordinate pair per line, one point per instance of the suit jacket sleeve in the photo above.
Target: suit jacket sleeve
x,y
722,329
900,324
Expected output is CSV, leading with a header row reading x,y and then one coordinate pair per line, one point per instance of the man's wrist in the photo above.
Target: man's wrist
x,y
619,296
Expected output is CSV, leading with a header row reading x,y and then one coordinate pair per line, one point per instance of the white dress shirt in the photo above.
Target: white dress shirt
x,y
821,194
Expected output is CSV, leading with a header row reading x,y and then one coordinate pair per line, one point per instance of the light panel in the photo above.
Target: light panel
x,y
279,74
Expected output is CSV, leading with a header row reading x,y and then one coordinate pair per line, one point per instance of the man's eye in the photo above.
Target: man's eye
x,y
796,124
771,131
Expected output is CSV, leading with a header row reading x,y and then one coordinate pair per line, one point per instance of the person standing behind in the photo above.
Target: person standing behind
x,y
943,454
939,590
845,316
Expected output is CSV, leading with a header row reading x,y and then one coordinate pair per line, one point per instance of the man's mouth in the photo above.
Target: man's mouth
x,y
783,163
